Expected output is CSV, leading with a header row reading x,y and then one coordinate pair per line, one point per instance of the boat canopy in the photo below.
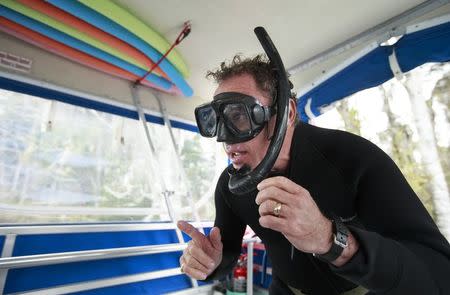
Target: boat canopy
x,y
421,43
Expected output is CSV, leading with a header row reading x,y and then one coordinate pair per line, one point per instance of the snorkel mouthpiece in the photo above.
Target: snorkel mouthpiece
x,y
244,180
244,170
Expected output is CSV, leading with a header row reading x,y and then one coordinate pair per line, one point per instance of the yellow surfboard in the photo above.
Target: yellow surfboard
x,y
121,16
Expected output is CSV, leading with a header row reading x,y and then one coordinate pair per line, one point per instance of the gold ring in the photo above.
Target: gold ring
x,y
277,209
181,268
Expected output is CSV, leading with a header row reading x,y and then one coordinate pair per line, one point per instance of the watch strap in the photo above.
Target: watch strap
x,y
340,237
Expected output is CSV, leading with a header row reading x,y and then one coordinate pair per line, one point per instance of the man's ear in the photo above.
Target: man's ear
x,y
292,112
291,119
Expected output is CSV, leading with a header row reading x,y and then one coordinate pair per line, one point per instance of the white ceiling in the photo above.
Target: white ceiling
x,y
299,28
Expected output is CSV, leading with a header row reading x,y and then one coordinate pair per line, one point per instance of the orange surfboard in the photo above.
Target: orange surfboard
x,y
82,26
71,53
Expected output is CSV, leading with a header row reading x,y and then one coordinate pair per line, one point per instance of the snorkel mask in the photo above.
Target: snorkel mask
x,y
233,117
236,117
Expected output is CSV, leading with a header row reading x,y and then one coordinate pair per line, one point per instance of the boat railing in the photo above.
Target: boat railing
x,y
78,256
10,262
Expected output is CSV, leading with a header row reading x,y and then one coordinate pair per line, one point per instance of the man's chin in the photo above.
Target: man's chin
x,y
243,166
237,166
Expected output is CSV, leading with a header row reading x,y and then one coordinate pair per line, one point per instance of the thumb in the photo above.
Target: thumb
x,y
215,238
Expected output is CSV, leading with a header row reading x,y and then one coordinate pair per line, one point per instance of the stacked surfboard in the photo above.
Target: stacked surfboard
x,y
99,34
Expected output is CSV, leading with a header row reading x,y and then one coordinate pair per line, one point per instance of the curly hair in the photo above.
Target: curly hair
x,y
258,67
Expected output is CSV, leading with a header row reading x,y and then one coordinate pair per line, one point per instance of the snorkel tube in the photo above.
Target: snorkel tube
x,y
242,182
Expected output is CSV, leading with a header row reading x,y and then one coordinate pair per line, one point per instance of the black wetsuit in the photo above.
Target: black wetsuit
x,y
401,249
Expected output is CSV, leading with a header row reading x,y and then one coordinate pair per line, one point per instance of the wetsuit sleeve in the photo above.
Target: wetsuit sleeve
x,y
401,249
231,228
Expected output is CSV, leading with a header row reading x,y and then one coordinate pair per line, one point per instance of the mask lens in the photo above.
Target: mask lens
x,y
237,116
206,120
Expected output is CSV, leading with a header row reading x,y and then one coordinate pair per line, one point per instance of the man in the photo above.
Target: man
x,y
335,214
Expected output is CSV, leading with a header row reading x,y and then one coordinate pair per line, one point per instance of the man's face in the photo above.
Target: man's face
x,y
253,151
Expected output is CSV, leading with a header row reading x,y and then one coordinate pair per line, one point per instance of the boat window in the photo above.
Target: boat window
x,y
61,163
399,116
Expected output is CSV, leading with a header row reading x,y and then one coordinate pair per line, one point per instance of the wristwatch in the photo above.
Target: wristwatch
x,y
340,241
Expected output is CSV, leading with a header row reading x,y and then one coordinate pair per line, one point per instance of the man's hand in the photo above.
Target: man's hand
x,y
203,253
299,219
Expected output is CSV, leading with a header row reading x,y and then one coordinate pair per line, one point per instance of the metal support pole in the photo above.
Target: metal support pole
x,y
250,268
163,111
166,194
7,251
